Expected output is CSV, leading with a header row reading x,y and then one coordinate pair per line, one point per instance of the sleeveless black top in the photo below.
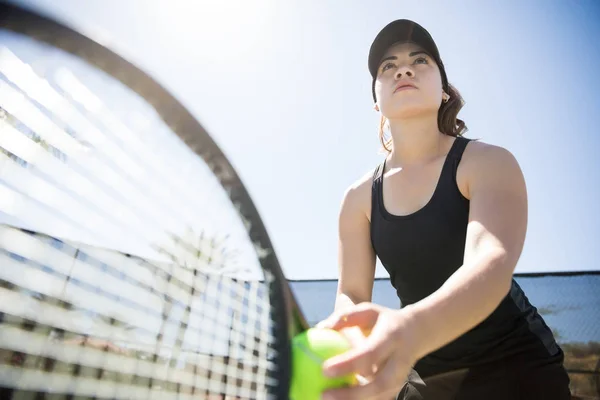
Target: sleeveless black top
x,y
422,250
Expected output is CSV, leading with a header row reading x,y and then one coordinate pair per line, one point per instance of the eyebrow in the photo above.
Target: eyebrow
x,y
414,53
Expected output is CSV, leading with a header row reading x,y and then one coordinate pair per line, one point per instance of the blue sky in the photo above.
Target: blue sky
x,y
283,87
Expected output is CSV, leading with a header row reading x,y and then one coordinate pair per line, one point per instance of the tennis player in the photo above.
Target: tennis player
x,y
447,217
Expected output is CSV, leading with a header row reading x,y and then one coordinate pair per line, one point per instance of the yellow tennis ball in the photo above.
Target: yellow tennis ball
x,y
309,350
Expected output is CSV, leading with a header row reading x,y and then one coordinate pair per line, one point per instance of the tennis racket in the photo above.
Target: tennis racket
x,y
133,263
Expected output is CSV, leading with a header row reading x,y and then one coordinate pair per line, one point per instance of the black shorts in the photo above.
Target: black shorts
x,y
503,381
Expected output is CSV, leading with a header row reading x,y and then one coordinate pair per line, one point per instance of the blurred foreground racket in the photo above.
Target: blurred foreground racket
x,y
133,264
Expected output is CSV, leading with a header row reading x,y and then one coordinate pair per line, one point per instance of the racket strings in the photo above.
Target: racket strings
x,y
126,270
48,326
124,192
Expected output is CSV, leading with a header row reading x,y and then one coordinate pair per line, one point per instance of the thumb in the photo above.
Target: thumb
x,y
323,324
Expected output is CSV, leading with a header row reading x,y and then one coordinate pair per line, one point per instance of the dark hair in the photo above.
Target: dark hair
x,y
448,121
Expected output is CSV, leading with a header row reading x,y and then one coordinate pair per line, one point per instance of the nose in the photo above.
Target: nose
x,y
404,71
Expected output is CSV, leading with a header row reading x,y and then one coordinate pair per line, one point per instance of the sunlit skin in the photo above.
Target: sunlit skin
x,y
407,63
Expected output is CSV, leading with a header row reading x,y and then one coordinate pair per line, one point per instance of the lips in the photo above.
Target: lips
x,y
404,86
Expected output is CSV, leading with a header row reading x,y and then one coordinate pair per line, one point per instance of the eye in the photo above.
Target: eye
x,y
385,67
421,60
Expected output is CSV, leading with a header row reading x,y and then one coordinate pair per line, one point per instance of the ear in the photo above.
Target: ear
x,y
376,107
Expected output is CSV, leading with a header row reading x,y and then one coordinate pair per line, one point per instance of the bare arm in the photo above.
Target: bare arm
x,y
495,236
355,253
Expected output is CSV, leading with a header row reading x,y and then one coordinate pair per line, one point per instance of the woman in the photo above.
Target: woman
x,y
447,217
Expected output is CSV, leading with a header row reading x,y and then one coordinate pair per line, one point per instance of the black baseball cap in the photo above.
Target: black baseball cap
x,y
402,31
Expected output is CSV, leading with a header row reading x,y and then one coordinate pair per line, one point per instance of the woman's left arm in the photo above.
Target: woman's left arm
x,y
495,237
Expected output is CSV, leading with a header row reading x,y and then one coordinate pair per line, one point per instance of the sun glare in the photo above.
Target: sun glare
x,y
215,27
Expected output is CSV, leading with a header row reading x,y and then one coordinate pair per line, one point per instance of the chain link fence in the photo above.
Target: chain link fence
x,y
569,302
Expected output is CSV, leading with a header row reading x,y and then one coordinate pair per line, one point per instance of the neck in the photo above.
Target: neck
x,y
415,140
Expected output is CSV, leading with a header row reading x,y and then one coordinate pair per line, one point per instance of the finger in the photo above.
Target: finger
x,y
355,335
385,385
363,315
364,358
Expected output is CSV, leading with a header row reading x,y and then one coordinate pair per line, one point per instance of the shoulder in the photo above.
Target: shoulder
x,y
481,154
357,196
485,164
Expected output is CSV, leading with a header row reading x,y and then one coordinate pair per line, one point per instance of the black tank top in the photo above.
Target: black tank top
x,y
422,250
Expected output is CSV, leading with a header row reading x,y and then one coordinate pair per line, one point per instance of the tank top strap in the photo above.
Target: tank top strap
x,y
376,187
378,173
458,148
449,171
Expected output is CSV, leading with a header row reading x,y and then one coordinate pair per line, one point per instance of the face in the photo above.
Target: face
x,y
408,83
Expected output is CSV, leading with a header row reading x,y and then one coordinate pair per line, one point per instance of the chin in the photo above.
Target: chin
x,y
405,111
